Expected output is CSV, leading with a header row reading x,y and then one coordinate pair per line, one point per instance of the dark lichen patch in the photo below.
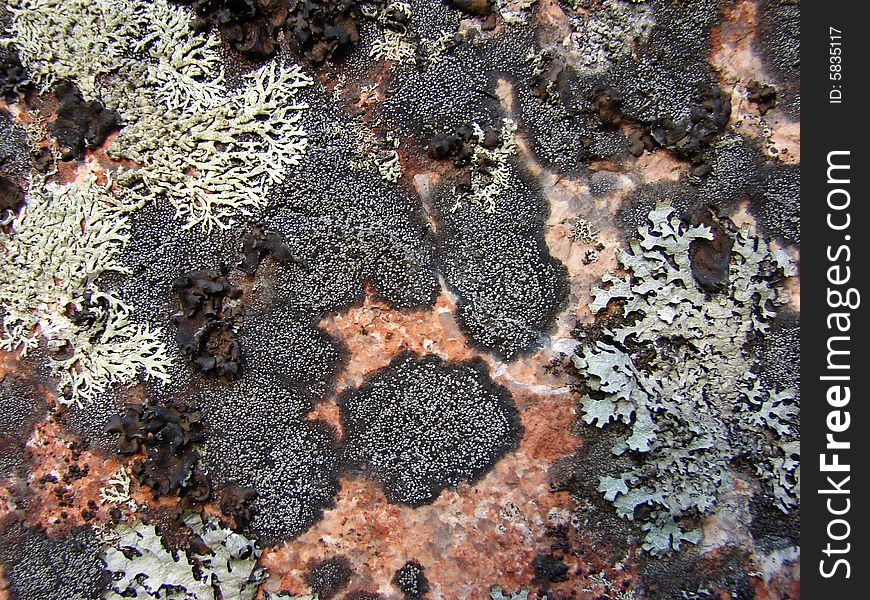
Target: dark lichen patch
x,y
206,325
329,576
319,31
14,80
734,165
710,259
21,407
235,502
11,197
421,425
776,204
467,75
79,125
259,243
284,347
38,566
780,353
508,286
660,80
411,580
549,569
778,45
14,148
771,528
248,26
762,95
256,438
703,577
350,230
168,436
568,129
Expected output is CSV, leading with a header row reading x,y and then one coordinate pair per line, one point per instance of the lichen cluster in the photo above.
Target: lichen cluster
x,y
673,368
57,247
211,150
223,566
421,425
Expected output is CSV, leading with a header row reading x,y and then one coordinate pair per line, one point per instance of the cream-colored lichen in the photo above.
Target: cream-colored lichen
x,y
376,154
142,566
676,372
63,238
212,151
216,165
125,53
117,490
392,44
490,168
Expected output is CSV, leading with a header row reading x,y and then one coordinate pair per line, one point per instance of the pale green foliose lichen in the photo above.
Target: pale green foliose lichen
x,y
212,151
677,373
142,567
60,242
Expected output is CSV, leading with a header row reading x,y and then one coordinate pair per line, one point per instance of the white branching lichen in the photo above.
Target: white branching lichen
x,y
216,165
117,490
127,54
677,373
61,241
490,169
142,567
213,152
376,154
394,45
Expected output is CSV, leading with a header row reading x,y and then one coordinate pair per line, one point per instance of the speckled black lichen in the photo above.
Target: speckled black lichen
x,y
508,286
411,580
776,204
256,438
20,409
282,346
421,425
348,228
329,576
62,566
778,44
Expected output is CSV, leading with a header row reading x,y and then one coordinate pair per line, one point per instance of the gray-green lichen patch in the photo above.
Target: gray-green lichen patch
x,y
58,245
223,567
673,368
214,152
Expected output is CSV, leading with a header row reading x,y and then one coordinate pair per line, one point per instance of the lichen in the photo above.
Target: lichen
x,y
141,566
117,490
490,168
217,164
673,368
58,245
212,151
